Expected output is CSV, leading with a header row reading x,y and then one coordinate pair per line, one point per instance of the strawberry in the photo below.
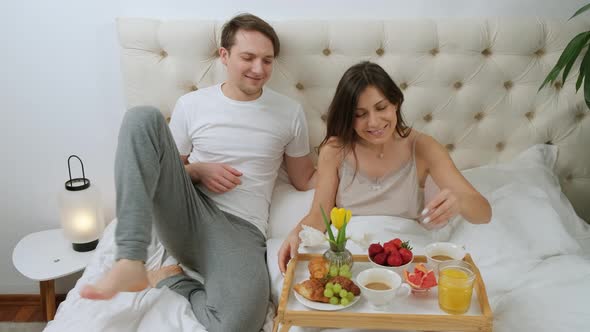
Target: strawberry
x,y
389,248
394,259
406,252
406,255
397,242
380,258
375,249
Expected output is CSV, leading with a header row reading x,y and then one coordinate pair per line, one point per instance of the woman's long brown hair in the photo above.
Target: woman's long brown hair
x,y
341,113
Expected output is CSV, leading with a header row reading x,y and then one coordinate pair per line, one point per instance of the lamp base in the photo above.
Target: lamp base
x,y
84,247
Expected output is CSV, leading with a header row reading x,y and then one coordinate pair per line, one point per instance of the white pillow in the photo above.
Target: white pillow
x,y
533,167
287,208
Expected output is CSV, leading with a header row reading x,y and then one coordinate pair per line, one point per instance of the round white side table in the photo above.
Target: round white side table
x,y
46,256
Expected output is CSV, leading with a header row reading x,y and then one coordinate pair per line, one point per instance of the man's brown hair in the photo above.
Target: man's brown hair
x,y
248,22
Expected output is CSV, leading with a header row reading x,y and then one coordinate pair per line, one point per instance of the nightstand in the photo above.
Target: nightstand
x,y
46,256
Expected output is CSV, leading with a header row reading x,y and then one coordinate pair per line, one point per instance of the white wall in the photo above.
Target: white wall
x,y
61,89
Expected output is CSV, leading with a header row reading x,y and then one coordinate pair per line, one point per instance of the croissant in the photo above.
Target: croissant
x,y
312,289
318,268
347,284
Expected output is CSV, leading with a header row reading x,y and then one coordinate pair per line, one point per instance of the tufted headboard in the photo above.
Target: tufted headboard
x,y
470,83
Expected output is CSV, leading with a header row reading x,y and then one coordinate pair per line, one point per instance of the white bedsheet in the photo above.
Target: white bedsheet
x,y
148,310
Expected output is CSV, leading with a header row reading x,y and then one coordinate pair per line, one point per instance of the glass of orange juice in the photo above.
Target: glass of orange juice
x,y
455,286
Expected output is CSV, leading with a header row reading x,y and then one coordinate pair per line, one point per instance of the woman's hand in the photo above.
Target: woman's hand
x,y
437,213
289,249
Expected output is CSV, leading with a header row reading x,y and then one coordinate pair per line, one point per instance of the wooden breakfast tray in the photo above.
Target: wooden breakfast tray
x,y
417,312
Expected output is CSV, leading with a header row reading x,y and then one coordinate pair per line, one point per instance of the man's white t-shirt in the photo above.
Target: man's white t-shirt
x,y
250,136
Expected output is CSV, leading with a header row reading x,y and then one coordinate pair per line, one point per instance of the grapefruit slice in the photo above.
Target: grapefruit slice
x,y
421,278
429,280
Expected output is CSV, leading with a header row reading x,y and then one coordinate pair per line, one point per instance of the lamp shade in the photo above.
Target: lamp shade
x,y
81,212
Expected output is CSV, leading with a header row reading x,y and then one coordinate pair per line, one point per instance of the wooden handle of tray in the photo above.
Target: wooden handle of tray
x,y
287,283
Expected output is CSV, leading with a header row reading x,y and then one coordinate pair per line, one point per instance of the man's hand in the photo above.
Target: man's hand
x,y
289,249
218,178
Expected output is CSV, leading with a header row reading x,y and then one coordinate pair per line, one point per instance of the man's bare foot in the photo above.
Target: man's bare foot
x,y
155,276
125,276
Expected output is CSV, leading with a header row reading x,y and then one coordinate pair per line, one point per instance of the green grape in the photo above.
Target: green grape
x,y
334,300
344,301
344,267
329,285
346,274
350,296
337,288
333,271
343,294
328,292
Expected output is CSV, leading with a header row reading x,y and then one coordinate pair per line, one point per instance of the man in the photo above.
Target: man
x,y
231,139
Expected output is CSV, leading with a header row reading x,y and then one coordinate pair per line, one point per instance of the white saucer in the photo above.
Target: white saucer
x,y
323,306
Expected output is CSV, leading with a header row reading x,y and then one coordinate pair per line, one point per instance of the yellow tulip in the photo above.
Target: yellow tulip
x,y
340,217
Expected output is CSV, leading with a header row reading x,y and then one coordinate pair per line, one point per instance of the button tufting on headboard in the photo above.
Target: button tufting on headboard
x,y
498,65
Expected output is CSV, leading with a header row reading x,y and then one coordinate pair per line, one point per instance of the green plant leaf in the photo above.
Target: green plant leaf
x,y
328,228
580,11
551,76
573,53
568,56
587,86
341,234
584,64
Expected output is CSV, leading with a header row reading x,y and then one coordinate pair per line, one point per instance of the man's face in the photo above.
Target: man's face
x,y
249,63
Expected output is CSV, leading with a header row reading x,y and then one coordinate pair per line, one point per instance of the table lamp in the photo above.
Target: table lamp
x,y
81,212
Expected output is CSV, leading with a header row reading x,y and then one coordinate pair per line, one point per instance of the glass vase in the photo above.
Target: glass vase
x,y
338,257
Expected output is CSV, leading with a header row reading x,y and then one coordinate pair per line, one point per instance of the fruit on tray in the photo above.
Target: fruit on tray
x,y
392,253
328,284
421,278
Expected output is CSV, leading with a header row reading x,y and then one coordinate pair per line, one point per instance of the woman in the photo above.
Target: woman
x,y
372,163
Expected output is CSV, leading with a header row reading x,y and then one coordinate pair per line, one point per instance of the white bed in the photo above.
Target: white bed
x,y
534,256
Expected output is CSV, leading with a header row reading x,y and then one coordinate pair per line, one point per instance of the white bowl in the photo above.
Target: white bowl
x,y
381,298
455,251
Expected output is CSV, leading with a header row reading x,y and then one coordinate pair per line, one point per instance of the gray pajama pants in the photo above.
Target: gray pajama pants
x,y
227,251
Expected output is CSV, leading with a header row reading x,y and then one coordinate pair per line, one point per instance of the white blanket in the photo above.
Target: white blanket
x,y
533,256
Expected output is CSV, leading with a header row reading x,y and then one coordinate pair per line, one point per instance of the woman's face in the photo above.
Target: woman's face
x,y
374,117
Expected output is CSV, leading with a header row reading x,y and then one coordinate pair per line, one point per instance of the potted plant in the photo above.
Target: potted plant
x,y
569,56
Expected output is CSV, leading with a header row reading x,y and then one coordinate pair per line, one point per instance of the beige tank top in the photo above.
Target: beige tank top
x,y
394,194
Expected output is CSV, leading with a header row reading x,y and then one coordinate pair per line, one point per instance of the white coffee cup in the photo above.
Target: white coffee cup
x,y
380,298
452,250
